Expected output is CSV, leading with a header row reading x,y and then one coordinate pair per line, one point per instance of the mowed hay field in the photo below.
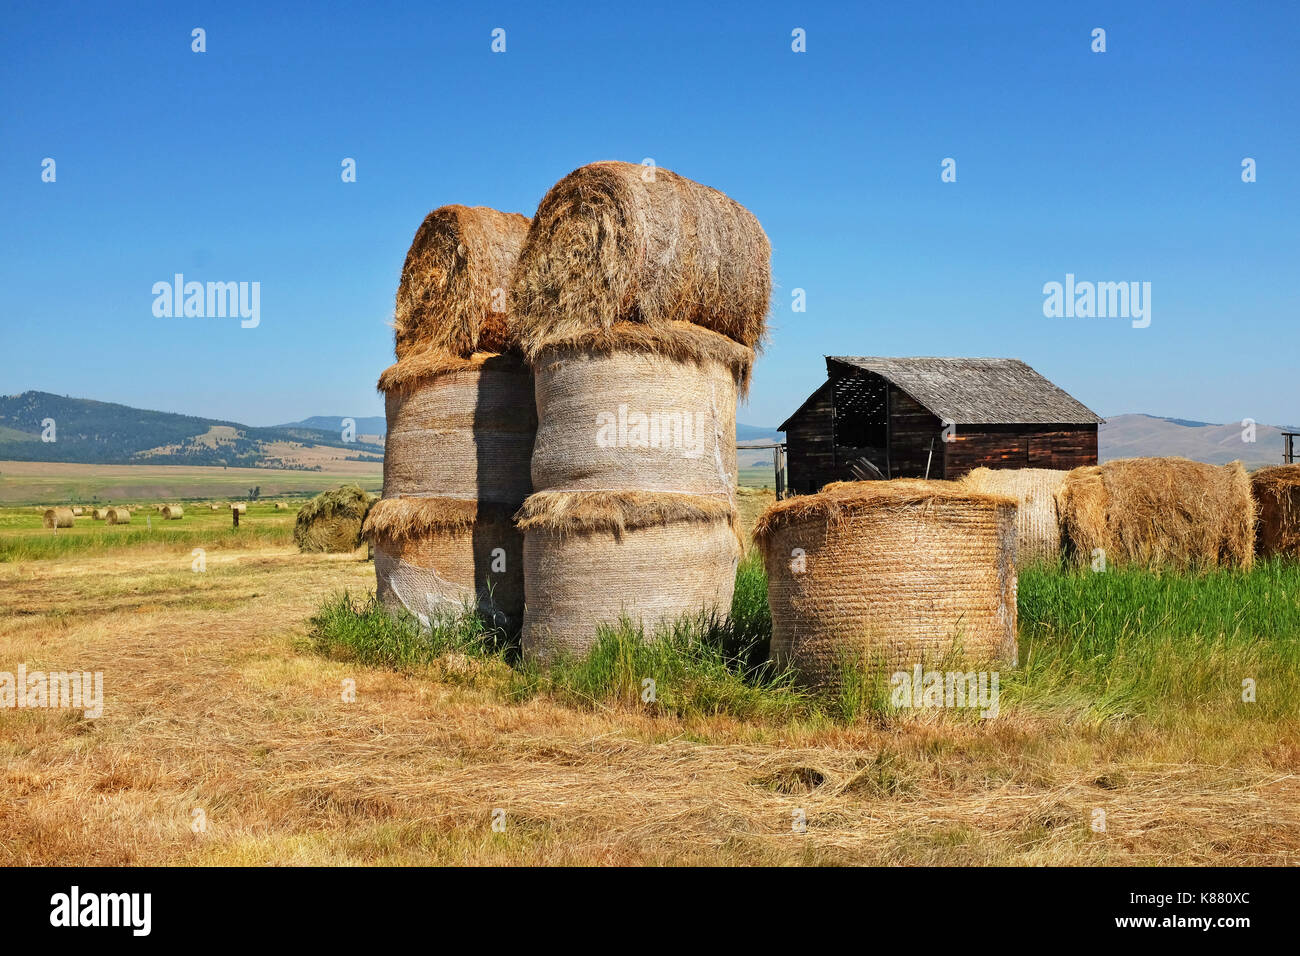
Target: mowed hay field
x,y
225,698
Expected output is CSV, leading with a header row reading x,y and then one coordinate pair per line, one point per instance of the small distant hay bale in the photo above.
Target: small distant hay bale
x,y
240,506
618,242
1034,490
436,557
592,558
331,522
281,506
100,514
1277,499
213,506
58,518
78,511
1159,511
452,294
883,574
173,512
118,516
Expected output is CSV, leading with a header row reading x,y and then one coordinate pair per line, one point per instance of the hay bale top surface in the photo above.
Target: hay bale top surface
x,y
615,512
403,518
1276,478
418,368
607,246
459,256
840,499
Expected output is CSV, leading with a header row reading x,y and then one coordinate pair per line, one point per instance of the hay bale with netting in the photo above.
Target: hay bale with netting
x,y
452,294
437,557
886,575
618,242
58,518
1276,491
1159,511
240,506
592,558
118,516
1038,526
173,512
331,522
459,428
100,514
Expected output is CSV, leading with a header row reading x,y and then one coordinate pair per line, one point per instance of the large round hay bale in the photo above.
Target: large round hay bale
x,y
78,511
459,428
331,522
592,558
617,241
1038,527
452,295
1159,511
437,557
240,506
119,516
635,419
173,512
880,574
1277,501
100,514
58,518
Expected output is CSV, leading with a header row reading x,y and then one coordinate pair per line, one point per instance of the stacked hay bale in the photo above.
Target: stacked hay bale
x,y
459,406
638,299
58,518
1159,511
1276,492
1038,526
173,512
888,575
118,516
331,522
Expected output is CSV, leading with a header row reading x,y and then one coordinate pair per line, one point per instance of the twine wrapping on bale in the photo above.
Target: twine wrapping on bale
x,y
452,294
617,241
58,518
99,514
592,558
889,574
1038,527
1157,511
119,516
437,557
1276,492
331,522
173,512
459,429
614,418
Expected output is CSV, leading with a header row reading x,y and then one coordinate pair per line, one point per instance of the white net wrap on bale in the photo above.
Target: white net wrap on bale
x,y
870,574
591,559
1034,489
463,433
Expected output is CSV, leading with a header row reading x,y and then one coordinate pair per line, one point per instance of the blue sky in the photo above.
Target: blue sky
x,y
225,165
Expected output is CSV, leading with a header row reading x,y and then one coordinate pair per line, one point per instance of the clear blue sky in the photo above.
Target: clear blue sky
x,y
1122,166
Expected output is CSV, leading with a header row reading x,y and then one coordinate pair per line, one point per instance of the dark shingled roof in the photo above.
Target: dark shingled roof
x,y
975,391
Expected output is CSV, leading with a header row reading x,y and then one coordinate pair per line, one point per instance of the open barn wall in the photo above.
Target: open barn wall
x,y
809,436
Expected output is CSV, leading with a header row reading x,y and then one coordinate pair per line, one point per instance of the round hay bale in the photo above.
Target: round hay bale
x,y
459,428
58,518
638,420
452,294
173,512
888,574
435,557
606,245
331,522
591,558
1276,492
240,506
78,511
1038,529
100,514
281,506
118,516
1159,511
213,506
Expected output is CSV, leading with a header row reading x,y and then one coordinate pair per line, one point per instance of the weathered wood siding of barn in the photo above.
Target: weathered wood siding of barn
x,y
1019,446
912,428
810,449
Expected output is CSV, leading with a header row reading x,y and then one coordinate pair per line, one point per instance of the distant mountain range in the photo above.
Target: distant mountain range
x,y
365,425
1133,436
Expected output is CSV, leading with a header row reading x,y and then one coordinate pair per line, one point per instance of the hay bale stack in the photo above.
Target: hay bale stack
x,y
591,558
100,514
887,575
239,506
606,245
173,512
118,516
1038,527
1276,492
58,518
1159,511
452,292
331,522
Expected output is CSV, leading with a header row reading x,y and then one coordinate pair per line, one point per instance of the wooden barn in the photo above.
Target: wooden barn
x,y
936,417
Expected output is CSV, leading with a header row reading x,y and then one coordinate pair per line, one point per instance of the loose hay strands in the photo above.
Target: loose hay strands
x,y
617,512
173,512
59,518
119,516
884,574
1276,492
332,521
452,294
417,369
1034,489
1159,511
606,245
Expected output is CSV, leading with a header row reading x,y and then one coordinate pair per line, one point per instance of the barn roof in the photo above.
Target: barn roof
x,y
974,391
